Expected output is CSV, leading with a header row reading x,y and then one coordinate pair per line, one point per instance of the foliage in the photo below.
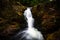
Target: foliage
x,y
33,2
29,2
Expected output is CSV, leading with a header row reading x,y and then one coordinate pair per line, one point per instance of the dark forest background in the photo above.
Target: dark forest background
x,y
45,12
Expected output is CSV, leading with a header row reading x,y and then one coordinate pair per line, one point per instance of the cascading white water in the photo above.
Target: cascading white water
x,y
28,15
31,31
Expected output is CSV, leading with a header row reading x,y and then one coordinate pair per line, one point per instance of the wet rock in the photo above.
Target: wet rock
x,y
54,36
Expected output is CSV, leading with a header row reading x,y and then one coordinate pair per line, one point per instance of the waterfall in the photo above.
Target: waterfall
x,y
32,32
28,15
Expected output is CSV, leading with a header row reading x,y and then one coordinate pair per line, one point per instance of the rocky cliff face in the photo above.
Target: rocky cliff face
x,y
12,19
